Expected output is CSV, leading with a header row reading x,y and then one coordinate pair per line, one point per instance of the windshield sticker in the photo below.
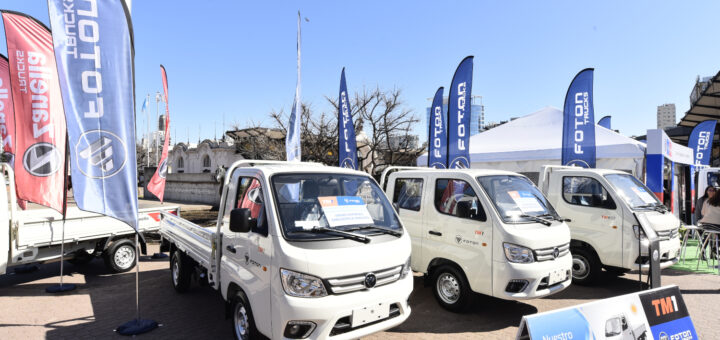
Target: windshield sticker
x,y
526,201
644,195
345,210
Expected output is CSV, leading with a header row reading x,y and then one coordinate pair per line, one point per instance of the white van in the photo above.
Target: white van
x,y
605,209
485,231
299,251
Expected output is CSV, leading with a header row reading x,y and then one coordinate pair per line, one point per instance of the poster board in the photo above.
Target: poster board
x,y
658,314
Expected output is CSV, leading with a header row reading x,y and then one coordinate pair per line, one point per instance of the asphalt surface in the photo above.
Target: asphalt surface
x,y
103,301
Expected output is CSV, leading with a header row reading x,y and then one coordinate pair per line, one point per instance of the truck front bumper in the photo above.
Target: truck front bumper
x,y
669,254
536,274
333,314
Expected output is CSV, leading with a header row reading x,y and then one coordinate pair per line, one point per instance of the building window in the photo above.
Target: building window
x,y
180,165
206,163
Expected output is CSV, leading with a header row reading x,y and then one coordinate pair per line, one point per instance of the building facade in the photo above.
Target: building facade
x,y
477,114
666,116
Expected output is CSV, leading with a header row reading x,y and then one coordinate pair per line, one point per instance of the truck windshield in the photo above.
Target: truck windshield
x,y
517,199
308,203
632,191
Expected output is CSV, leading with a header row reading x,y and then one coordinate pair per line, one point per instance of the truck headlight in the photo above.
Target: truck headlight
x,y
302,285
518,254
639,233
405,269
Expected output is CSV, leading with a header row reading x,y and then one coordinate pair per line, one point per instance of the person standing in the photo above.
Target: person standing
x,y
709,192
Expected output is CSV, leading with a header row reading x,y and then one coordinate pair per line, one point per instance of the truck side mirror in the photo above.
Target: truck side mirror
x,y
241,220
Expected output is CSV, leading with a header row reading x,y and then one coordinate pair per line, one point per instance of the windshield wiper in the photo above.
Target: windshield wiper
x,y
536,219
655,206
381,229
554,218
345,234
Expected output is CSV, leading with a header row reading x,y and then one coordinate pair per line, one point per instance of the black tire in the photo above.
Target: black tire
x,y
586,267
180,272
80,258
240,310
451,288
121,256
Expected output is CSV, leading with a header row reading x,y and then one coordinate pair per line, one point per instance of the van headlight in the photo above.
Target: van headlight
x,y
302,285
518,254
639,233
405,269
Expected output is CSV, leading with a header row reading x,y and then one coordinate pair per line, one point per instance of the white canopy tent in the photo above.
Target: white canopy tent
x,y
527,143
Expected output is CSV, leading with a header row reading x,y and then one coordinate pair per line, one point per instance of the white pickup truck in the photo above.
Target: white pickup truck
x,y
299,250
610,214
34,235
484,231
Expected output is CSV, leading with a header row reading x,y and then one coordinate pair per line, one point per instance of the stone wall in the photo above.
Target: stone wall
x,y
199,188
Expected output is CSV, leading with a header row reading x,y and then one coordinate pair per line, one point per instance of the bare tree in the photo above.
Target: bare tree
x,y
387,126
256,142
383,127
318,135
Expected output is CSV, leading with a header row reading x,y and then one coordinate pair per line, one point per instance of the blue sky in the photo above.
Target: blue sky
x,y
237,59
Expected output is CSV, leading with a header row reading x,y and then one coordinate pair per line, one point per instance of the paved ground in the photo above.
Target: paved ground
x,y
103,301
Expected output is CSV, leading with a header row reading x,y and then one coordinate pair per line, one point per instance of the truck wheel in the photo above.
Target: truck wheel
x,y
180,272
243,322
585,266
121,256
451,289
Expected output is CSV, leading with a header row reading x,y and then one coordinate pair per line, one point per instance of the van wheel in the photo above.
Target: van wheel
x,y
585,266
451,289
180,272
121,256
243,322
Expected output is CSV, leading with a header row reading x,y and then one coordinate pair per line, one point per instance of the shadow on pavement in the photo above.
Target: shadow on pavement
x,y
196,314
487,314
608,286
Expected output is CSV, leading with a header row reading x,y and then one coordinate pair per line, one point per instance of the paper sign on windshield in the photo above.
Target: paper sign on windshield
x,y
526,201
644,195
345,210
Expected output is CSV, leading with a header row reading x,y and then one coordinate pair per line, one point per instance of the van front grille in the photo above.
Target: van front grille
x,y
352,283
548,254
668,234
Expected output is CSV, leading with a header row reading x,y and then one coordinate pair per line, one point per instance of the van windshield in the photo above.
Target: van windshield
x,y
632,191
311,202
517,199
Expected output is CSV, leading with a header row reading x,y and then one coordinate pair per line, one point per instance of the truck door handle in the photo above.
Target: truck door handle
x,y
436,233
231,249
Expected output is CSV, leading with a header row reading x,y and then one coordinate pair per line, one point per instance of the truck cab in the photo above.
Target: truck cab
x,y
604,208
485,231
299,251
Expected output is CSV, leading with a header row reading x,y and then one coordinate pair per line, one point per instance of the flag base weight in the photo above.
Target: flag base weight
x,y
159,256
137,326
60,288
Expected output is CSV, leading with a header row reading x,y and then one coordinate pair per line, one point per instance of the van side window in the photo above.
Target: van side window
x,y
457,198
250,196
587,192
408,193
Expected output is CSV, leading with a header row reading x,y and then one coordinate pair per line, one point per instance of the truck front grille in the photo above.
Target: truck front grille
x,y
548,254
352,283
668,234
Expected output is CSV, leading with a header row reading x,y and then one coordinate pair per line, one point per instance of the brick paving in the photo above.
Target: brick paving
x,y
103,301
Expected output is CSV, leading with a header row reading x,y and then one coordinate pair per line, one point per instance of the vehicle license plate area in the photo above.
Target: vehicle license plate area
x,y
369,314
558,275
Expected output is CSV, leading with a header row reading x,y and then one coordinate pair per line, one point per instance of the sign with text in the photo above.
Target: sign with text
x,y
655,314
345,210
